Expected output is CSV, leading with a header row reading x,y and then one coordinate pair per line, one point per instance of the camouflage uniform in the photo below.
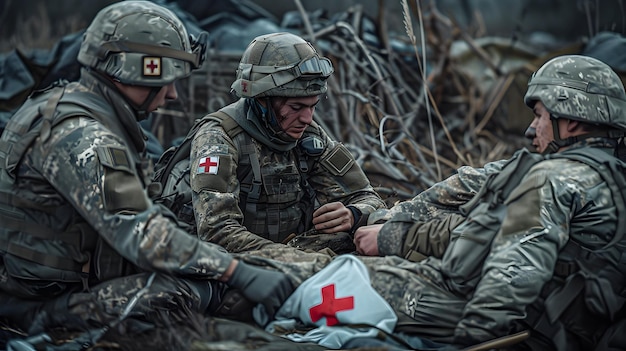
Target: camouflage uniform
x,y
293,177
542,244
420,227
220,197
498,260
78,227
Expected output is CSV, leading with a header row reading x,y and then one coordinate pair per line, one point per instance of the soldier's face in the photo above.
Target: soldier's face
x,y
138,95
540,130
295,114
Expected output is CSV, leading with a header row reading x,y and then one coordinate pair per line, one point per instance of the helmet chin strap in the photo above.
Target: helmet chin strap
x,y
142,110
558,143
269,118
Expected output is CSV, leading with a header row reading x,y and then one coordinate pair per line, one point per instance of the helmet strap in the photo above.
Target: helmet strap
x,y
142,110
270,116
274,124
558,143
270,120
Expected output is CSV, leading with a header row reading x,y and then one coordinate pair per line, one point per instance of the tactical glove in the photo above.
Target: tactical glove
x,y
269,288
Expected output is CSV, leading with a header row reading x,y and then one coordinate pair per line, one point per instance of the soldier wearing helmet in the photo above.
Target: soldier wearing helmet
x,y
79,232
262,170
570,92
534,242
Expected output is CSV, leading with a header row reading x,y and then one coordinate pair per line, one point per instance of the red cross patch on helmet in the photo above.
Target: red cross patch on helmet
x,y
152,66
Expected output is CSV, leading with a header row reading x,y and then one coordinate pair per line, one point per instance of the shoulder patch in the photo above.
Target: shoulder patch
x,y
114,157
339,161
208,164
211,172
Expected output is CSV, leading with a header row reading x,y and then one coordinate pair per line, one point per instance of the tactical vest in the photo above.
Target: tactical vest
x,y
39,260
274,204
563,307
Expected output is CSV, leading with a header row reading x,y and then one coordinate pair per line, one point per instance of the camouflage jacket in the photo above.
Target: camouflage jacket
x,y
420,227
515,233
81,187
292,182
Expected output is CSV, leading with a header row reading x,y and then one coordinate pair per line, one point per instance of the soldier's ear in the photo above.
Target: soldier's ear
x,y
574,127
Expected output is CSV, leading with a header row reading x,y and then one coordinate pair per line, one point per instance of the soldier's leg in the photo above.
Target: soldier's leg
x,y
133,303
142,300
425,308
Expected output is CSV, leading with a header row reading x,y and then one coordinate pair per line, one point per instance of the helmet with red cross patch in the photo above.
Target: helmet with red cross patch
x,y
141,43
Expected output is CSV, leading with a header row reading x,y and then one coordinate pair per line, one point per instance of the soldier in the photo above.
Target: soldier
x,y
261,168
541,245
80,239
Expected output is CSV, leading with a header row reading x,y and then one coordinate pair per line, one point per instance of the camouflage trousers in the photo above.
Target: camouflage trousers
x,y
132,304
415,290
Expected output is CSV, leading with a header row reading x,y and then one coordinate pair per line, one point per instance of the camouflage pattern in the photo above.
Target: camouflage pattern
x,y
569,86
217,199
160,299
139,43
67,171
498,259
420,227
267,68
579,88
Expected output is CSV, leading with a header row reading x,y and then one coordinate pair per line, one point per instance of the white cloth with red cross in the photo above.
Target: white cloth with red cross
x,y
340,301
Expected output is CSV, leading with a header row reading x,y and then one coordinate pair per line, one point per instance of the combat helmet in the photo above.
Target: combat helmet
x,y
281,64
141,43
579,88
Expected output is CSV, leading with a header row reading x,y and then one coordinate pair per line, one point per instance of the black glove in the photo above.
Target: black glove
x,y
269,288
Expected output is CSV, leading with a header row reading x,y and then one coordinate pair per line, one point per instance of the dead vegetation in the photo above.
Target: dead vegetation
x,y
411,107
410,117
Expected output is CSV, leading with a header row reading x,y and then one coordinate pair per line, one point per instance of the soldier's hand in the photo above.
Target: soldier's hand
x,y
332,218
269,288
366,239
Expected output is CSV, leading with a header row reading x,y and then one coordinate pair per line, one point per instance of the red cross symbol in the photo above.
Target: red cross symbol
x,y
152,66
244,87
330,306
209,165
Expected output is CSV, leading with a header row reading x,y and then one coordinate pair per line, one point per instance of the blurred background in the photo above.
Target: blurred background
x,y
28,24
420,87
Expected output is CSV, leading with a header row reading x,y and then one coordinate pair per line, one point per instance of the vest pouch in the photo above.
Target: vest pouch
x,y
470,243
177,188
282,188
274,222
27,279
279,212
107,263
602,289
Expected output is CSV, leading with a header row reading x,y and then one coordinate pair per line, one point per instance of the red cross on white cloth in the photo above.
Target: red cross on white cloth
x,y
332,301
209,165
330,305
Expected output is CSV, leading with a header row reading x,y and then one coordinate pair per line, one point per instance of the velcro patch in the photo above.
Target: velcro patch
x,y
209,164
114,157
152,66
339,161
205,177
